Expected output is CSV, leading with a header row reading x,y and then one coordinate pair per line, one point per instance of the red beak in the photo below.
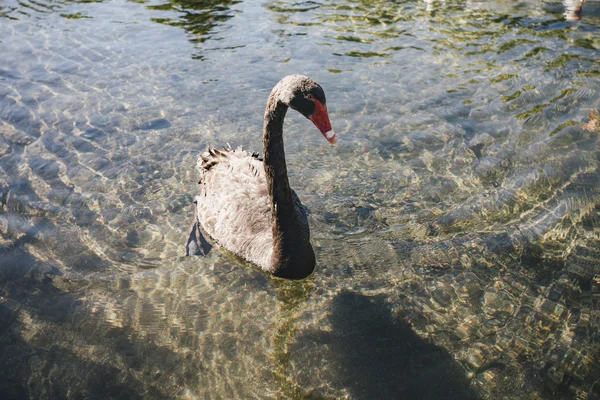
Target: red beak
x,y
321,120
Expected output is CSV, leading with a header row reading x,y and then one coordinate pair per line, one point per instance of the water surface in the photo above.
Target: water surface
x,y
456,224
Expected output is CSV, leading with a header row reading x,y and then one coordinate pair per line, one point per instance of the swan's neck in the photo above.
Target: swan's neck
x,y
292,253
274,159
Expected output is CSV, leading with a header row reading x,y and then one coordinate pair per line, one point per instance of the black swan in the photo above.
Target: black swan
x,y
246,204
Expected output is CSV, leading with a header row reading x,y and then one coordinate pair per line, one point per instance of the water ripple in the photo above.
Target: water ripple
x,y
458,213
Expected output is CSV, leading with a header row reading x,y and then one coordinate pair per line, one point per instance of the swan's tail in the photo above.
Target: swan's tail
x,y
212,156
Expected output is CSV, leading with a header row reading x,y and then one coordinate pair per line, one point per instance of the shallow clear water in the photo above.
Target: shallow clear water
x,y
456,224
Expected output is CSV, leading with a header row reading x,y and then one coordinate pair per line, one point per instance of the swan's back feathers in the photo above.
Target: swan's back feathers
x,y
233,205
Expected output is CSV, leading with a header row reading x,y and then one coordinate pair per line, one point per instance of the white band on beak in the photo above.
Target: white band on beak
x,y
330,134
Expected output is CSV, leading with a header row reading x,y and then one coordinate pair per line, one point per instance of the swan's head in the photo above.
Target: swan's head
x,y
308,98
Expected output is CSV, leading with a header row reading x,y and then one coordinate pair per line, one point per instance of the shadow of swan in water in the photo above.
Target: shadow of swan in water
x,y
375,355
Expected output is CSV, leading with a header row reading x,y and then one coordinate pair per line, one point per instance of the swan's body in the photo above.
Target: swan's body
x,y
246,205
243,222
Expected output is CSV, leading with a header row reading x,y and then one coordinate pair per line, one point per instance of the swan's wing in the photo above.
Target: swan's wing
x,y
233,205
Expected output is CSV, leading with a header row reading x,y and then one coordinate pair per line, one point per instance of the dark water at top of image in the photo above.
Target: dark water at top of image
x,y
456,224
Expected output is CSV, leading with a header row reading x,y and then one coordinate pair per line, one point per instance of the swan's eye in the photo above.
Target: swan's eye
x,y
309,96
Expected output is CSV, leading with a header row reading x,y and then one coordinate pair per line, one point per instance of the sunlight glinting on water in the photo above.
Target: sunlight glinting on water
x,y
455,224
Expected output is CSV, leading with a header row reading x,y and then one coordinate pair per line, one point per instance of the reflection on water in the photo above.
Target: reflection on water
x,y
200,19
456,224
